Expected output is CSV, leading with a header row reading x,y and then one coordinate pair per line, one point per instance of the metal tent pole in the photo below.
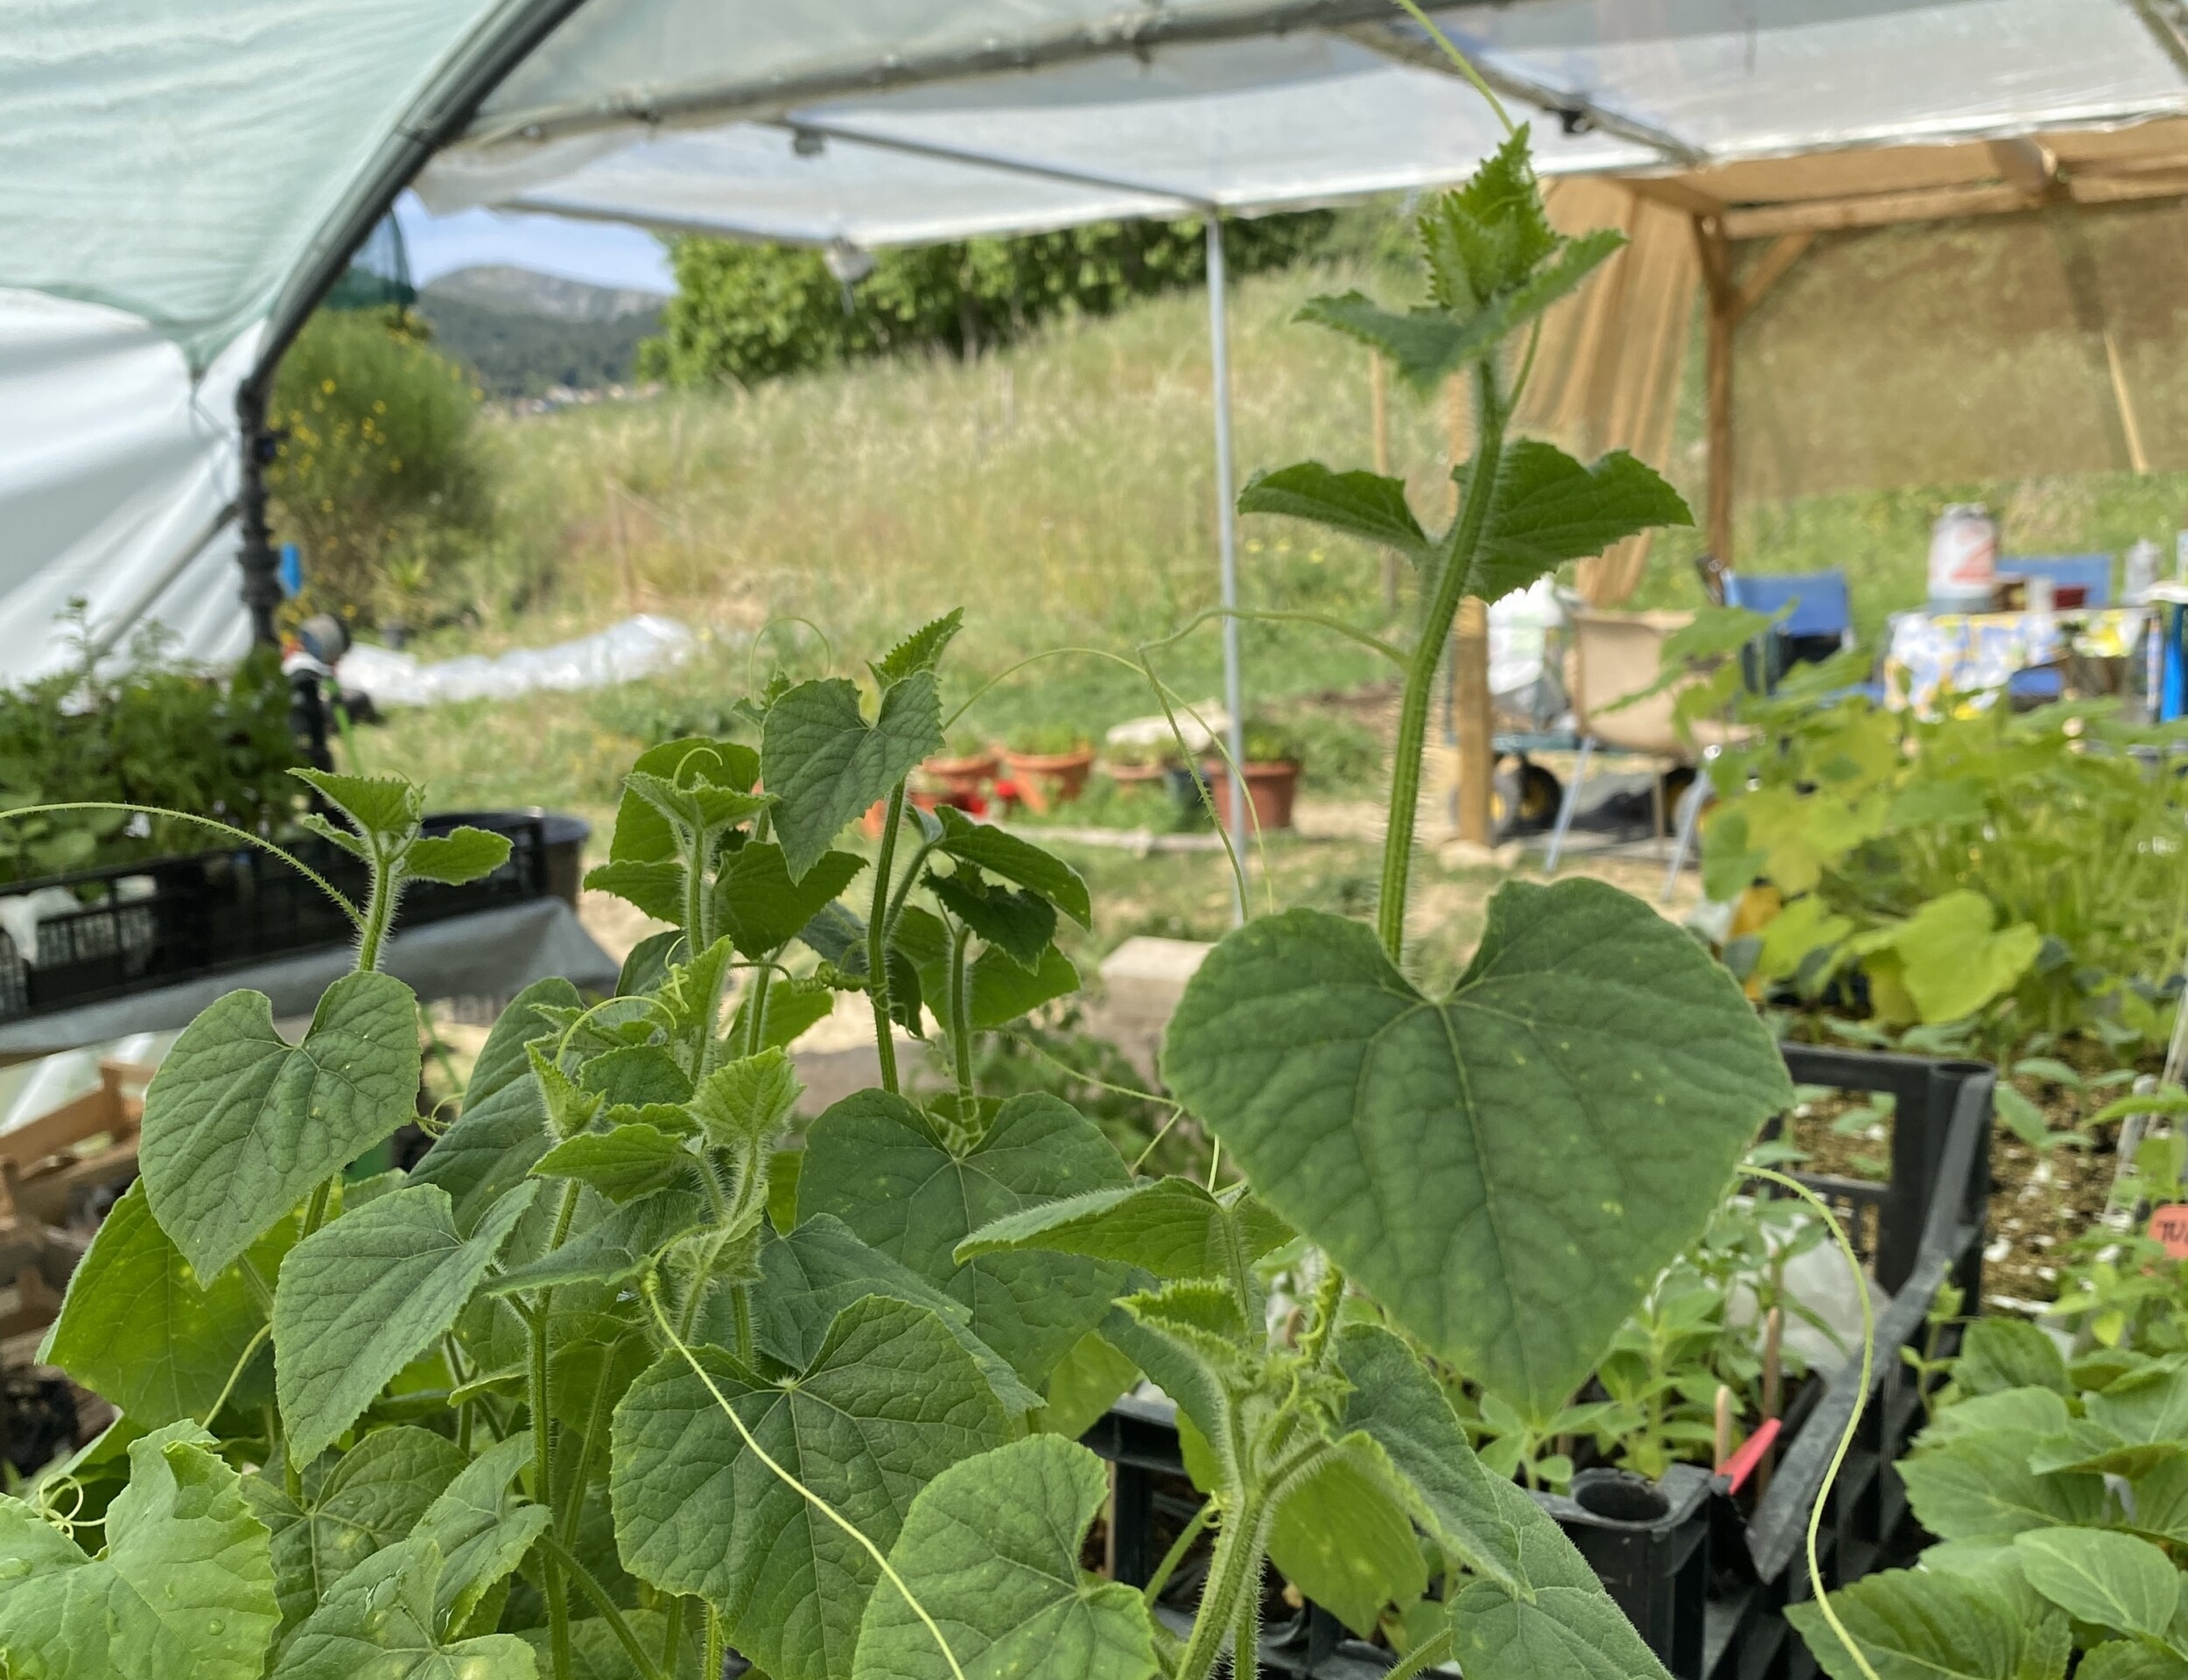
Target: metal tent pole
x,y
1227,538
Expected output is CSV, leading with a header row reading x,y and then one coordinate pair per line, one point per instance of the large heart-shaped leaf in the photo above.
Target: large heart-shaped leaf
x,y
136,1327
889,1172
2114,1580
1348,1545
183,1591
361,1298
990,1550
1509,1168
240,1125
890,1401
643,833
350,1507
503,1130
381,1621
825,764
1929,1625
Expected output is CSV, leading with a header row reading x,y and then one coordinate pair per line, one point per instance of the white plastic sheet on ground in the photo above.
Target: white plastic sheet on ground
x,y
638,646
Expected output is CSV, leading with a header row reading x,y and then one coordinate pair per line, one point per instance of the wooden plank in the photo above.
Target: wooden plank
x,y
1769,269
1722,298
52,1134
46,1195
1872,210
1675,191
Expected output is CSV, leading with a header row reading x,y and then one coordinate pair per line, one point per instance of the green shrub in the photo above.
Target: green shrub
x,y
162,733
750,313
378,479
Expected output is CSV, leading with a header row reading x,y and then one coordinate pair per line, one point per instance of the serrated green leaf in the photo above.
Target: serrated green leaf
x,y
890,1401
503,1129
1550,509
348,839
622,1162
380,1622
791,1008
1915,1625
617,1248
990,1549
240,1125
2033,1412
1020,924
649,962
1997,1354
811,1273
481,1529
695,805
1346,1546
1359,504
2114,1580
1978,1486
2145,1407
183,1591
887,1170
359,1300
763,908
1002,989
1488,235
462,854
743,1106
1592,1061
2085,1446
919,651
369,1498
1172,1228
387,806
826,764
1425,345
643,834
1398,1406
1955,959
636,1075
999,853
654,888
136,1327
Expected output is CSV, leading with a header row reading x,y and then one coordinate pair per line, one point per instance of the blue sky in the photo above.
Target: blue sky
x,y
604,253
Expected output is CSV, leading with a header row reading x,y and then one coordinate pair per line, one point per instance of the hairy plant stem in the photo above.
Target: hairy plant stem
x,y
568,1561
1427,655
1175,1556
1246,1639
672,1641
595,1426
543,1447
1234,1570
717,1643
740,1307
379,911
878,943
961,1022
756,1009
1425,1654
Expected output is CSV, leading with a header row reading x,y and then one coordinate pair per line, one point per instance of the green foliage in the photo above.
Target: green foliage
x,y
1924,856
379,468
155,733
613,1341
750,313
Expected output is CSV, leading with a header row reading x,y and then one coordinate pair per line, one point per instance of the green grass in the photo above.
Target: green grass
x,y
1063,493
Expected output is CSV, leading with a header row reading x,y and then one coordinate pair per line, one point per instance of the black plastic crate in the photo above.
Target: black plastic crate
x,y
1705,1571
127,928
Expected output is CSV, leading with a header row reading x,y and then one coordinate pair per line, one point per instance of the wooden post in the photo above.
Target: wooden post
x,y
1469,668
1723,299
1379,417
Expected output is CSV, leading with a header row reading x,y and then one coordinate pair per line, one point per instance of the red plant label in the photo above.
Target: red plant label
x,y
2168,1225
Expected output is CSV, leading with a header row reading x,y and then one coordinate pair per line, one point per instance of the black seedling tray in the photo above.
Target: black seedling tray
x,y
138,927
1705,1571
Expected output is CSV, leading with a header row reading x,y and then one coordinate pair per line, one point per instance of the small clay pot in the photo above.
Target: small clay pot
x,y
1049,778
962,776
1270,786
1136,776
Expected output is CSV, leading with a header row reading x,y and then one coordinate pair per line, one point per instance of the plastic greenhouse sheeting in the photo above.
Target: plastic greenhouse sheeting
x,y
169,170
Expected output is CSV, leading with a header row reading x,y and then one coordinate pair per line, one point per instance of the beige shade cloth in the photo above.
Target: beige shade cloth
x,y
1607,370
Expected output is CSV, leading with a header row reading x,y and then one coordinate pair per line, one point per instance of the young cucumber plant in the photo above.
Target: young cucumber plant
x,y
610,1383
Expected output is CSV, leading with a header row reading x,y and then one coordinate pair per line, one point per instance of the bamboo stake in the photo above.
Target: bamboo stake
x,y
1773,1388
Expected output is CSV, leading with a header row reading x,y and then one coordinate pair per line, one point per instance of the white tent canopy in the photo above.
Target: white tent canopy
x,y
179,180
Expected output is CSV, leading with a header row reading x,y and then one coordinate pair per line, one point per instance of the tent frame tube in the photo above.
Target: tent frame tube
x,y
1227,541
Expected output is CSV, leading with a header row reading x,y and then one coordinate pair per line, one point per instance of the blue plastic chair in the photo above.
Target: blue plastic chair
x,y
1821,621
2089,573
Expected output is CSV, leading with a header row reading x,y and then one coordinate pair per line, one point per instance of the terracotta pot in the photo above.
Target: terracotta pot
x,y
1136,776
1049,778
962,776
1270,787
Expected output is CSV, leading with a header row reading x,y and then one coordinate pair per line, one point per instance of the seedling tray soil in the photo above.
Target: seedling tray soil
x,y
1703,1567
140,926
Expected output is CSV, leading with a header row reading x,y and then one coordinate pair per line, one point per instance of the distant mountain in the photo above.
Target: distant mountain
x,y
524,333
